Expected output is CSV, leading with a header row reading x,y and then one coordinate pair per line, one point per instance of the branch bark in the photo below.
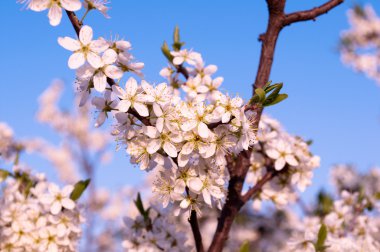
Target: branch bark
x,y
193,220
312,13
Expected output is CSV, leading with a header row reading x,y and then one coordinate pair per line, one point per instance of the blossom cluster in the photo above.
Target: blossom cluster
x,y
286,155
154,230
360,44
37,215
352,220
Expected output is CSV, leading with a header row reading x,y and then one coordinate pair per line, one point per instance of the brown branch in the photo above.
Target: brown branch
x,y
259,185
74,21
193,220
311,14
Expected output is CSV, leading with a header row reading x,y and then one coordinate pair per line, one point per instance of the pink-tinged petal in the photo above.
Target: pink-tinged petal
x,y
217,82
56,207
71,5
237,102
178,60
179,186
202,89
141,109
46,199
160,124
279,164
144,162
170,149
85,35
100,81
195,185
99,45
189,125
67,190
153,146
272,153
182,159
113,72
157,109
206,197
123,45
150,131
184,203
226,117
76,60
55,15
124,105
62,230
68,203
53,189
100,120
119,92
69,43
94,60
109,57
39,5
147,87
290,159
210,69
188,148
131,86
203,130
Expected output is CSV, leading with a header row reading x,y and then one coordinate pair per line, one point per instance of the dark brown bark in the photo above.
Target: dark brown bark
x,y
193,220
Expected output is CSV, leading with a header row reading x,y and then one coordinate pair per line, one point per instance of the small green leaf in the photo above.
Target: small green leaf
x,y
377,195
177,44
139,205
278,99
166,51
79,188
176,37
244,247
322,235
261,93
3,175
278,86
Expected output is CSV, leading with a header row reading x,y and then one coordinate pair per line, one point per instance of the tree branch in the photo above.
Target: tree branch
x,y
311,14
193,220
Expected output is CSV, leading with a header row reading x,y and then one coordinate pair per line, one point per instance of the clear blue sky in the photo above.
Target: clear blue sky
x,y
329,103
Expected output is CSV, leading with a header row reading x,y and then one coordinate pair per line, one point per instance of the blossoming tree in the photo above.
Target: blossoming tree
x,y
207,154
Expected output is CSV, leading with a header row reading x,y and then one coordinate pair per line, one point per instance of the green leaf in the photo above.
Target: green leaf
x,y
3,175
177,44
244,247
322,235
166,51
278,99
176,37
79,188
377,195
261,94
269,88
139,205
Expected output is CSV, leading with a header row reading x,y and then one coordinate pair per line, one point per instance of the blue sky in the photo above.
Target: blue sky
x,y
329,103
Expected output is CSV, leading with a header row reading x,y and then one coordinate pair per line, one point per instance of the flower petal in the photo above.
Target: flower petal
x,y
69,43
55,15
100,81
76,60
170,149
85,35
141,109
71,5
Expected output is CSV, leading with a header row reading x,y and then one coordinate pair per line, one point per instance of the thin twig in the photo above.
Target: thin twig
x,y
193,220
311,14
